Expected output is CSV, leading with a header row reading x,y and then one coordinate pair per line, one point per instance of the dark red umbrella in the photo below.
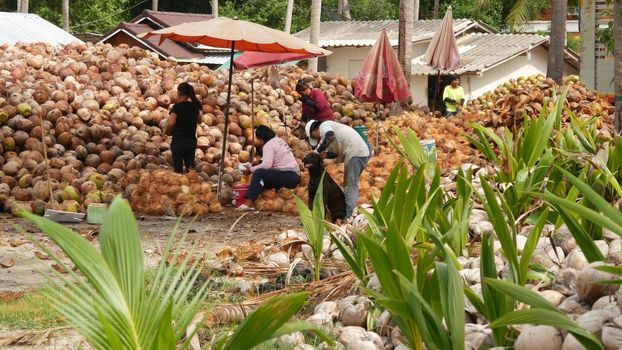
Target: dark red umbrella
x,y
252,59
381,78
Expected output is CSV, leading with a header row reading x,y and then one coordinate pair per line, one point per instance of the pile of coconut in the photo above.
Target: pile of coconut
x,y
100,109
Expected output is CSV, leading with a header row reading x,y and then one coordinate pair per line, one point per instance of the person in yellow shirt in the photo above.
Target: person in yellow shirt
x,y
453,96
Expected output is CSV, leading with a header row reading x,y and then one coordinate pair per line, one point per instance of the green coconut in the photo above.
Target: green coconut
x,y
9,143
25,181
98,179
70,206
24,109
110,106
93,197
70,193
4,116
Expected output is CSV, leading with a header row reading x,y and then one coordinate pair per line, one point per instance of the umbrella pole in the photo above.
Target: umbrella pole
x,y
225,134
377,128
438,86
252,157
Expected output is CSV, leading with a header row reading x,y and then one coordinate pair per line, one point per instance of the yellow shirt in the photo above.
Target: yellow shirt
x,y
456,94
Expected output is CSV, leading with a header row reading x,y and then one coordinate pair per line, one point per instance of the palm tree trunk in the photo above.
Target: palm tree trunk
x,y
19,3
617,49
65,10
416,10
288,16
154,5
437,5
345,12
23,7
214,8
316,9
555,64
405,36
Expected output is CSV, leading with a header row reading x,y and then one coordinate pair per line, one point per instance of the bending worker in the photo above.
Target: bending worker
x,y
314,103
278,168
335,140
453,96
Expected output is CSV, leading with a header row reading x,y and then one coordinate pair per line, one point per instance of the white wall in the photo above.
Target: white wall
x,y
348,61
520,66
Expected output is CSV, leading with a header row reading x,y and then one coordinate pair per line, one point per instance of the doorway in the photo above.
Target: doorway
x,y
437,104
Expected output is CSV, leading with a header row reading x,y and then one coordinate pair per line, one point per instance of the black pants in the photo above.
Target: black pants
x,y
270,178
183,155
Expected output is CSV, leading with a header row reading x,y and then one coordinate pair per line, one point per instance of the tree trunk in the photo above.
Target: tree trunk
x,y
316,9
154,5
288,16
345,12
555,64
617,42
405,36
214,8
416,10
437,5
65,10
19,6
23,7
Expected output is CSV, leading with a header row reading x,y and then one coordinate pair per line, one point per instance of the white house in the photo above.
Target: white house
x,y
487,58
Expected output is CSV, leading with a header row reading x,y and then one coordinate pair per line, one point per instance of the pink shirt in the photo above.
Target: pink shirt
x,y
278,156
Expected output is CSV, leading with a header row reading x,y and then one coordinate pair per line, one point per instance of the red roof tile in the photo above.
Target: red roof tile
x,y
168,19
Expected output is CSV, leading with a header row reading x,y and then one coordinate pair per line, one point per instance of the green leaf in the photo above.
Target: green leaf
x,y
120,247
266,321
519,293
549,318
165,338
452,299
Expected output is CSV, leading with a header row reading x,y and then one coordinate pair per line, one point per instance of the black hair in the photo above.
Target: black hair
x,y
316,125
301,86
188,91
264,133
455,77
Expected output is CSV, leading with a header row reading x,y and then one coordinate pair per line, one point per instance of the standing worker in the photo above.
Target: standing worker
x,y
278,167
335,140
453,96
314,103
182,125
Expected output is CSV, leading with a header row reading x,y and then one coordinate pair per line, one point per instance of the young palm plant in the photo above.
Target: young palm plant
x,y
111,307
314,225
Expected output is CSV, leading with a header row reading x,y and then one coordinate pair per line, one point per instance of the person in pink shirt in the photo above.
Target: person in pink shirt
x,y
278,167
314,104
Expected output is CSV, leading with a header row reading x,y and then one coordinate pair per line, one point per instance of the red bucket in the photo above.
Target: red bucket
x,y
239,191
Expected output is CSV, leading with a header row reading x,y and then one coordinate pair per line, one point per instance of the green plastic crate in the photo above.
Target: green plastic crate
x,y
95,213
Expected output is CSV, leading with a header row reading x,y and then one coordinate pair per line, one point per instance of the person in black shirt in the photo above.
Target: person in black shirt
x,y
182,125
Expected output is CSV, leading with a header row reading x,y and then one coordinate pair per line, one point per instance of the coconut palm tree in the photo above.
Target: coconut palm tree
x,y
617,49
416,10
404,45
435,9
288,16
343,9
316,9
215,8
65,10
555,63
154,5
23,6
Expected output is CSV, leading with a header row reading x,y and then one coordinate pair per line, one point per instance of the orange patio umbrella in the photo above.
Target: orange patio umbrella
x,y
238,35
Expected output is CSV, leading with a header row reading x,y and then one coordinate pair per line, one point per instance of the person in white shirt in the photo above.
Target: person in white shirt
x,y
333,140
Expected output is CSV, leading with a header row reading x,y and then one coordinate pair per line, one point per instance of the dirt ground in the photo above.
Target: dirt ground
x,y
211,233
23,267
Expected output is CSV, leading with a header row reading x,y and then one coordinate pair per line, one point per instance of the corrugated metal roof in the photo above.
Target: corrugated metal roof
x,y
365,33
481,52
30,28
